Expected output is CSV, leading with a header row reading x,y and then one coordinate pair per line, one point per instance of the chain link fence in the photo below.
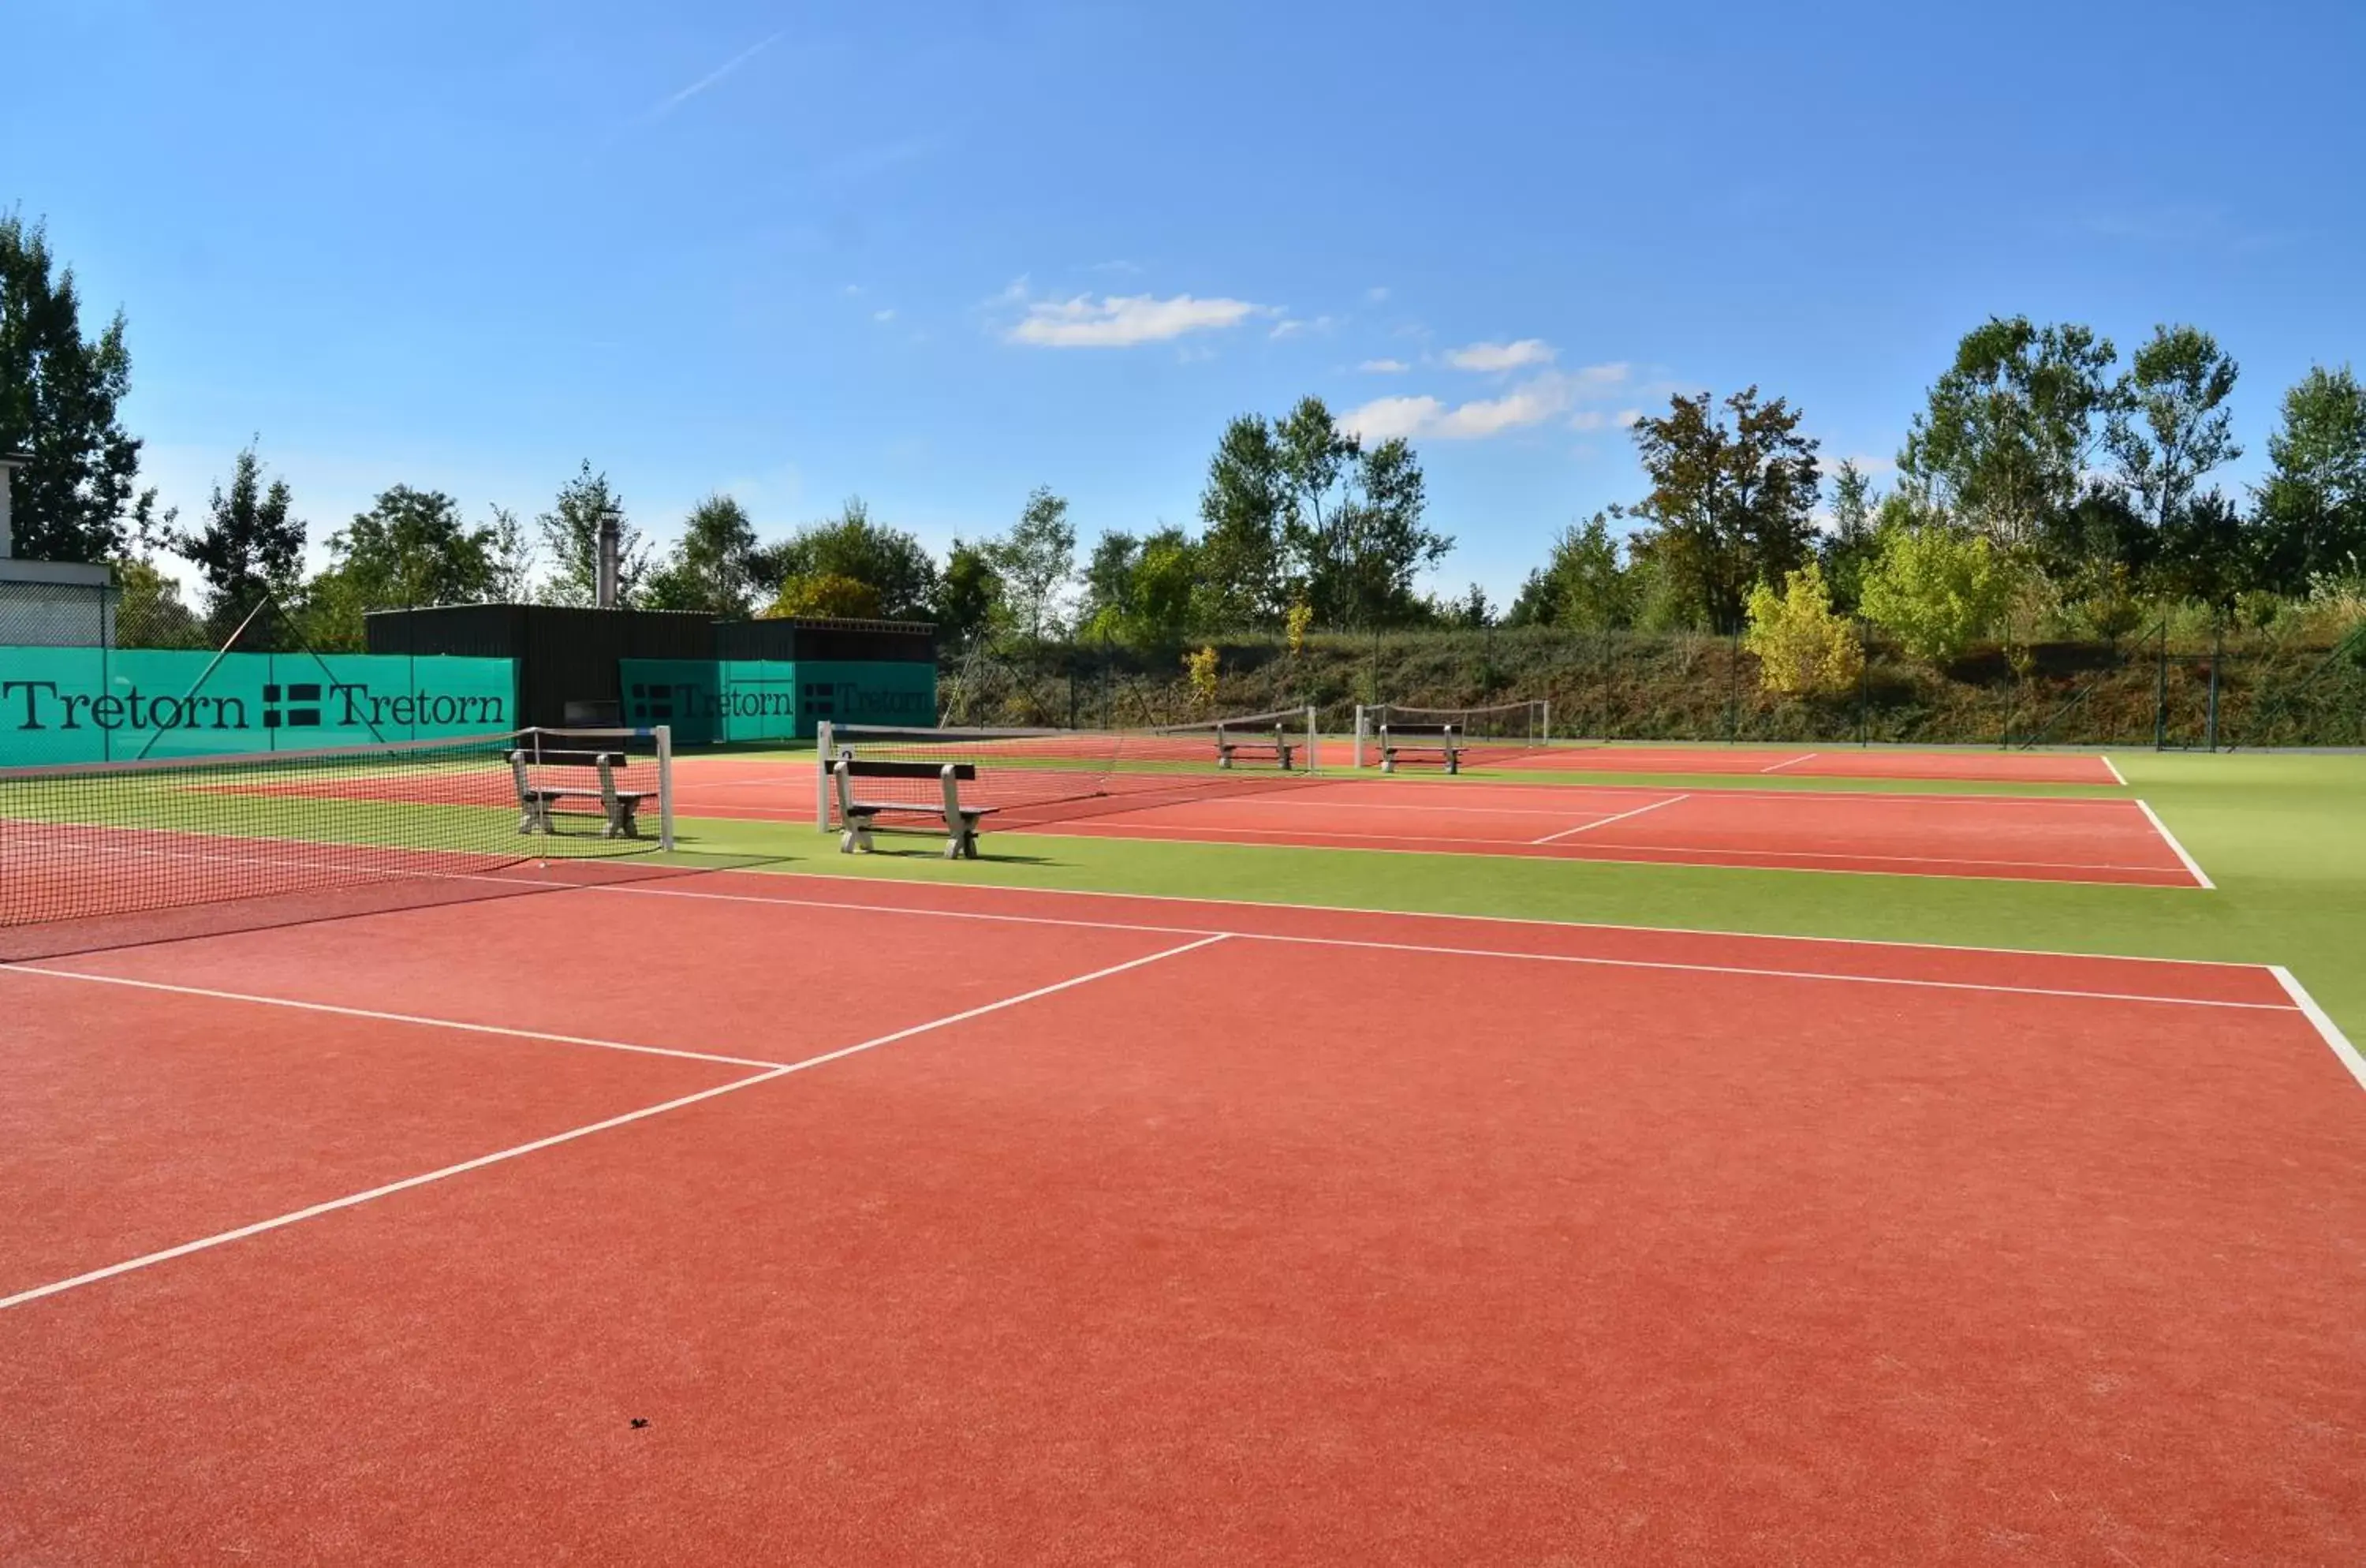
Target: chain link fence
x,y
2149,690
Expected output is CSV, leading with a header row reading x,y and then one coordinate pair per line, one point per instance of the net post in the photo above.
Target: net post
x,y
822,775
664,733
1314,742
1544,723
1359,736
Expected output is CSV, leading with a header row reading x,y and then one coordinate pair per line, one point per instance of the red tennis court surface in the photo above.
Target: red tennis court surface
x,y
767,1219
2041,838
1845,762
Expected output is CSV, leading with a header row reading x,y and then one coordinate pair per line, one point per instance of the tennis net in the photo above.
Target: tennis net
x,y
1044,775
90,840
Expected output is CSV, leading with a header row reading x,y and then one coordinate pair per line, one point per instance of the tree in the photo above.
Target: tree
x,y
2172,426
59,397
1036,559
969,596
1297,511
248,547
1581,586
1729,505
825,595
571,532
512,559
2311,509
410,548
1142,592
1937,588
1851,545
852,546
148,609
2011,428
1801,645
709,569
1242,511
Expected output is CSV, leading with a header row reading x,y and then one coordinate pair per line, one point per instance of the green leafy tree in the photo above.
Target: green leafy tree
x,y
1845,552
1731,504
2171,425
1802,645
250,545
1353,520
1243,514
969,596
2011,427
60,393
710,567
1936,589
1581,586
2311,508
1036,559
825,595
1142,592
852,546
147,608
512,559
412,547
570,533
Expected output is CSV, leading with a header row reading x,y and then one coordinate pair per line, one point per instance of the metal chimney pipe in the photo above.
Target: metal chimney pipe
x,y
610,524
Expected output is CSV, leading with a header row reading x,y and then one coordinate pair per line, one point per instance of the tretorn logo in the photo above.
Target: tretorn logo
x,y
352,704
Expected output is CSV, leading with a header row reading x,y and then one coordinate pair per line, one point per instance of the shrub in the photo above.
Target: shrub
x,y
826,593
1937,591
1199,678
1802,646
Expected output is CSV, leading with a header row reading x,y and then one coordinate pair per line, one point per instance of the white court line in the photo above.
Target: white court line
x,y
2190,865
1604,822
2344,1052
1791,763
415,1019
1596,961
1402,843
353,1200
2117,777
842,879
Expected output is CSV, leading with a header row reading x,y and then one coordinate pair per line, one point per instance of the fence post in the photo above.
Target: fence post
x,y
2217,649
1733,689
2160,695
1863,679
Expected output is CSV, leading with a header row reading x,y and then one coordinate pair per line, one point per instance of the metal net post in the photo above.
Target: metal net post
x,y
822,749
665,785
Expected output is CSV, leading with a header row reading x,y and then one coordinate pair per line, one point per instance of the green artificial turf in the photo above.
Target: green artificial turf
x,y
2283,835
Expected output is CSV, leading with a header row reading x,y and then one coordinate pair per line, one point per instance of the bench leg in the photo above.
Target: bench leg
x,y
535,818
1388,762
620,823
857,836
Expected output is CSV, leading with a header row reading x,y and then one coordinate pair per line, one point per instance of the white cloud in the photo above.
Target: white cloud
x,y
886,315
1496,356
1384,418
1291,326
1377,293
1626,418
1533,401
1384,367
1124,321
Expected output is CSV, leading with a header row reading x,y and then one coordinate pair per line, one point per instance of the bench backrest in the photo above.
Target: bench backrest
x,y
850,767
605,761
1445,732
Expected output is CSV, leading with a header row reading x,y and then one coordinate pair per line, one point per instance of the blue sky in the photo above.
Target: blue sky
x,y
940,253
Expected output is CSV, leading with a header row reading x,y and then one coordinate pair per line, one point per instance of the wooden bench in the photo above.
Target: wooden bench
x,y
1418,741
620,807
858,815
1282,748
